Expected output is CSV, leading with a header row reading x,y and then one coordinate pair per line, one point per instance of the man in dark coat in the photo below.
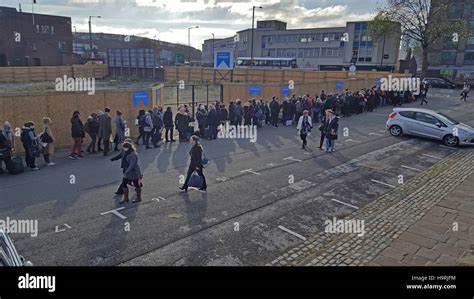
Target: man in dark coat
x,y
105,130
275,111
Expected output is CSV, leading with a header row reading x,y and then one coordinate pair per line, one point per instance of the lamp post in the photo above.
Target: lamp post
x,y
90,31
253,25
189,42
213,48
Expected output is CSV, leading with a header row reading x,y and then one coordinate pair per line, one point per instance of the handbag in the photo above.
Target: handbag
x,y
45,138
195,181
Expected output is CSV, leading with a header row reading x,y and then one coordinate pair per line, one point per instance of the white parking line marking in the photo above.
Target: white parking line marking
x,y
250,171
411,168
382,131
158,199
345,203
62,230
351,140
292,159
272,164
222,179
376,134
430,156
448,147
116,213
382,183
292,232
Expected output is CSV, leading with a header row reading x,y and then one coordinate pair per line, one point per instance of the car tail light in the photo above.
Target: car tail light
x,y
392,115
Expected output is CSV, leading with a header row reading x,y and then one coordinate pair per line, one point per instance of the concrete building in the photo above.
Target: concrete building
x,y
454,60
315,48
34,39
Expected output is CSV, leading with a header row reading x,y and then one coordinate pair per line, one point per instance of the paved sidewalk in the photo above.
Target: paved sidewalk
x,y
429,220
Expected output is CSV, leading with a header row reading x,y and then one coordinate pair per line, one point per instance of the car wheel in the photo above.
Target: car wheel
x,y
396,130
451,140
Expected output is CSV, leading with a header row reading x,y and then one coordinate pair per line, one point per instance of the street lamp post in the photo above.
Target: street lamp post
x,y
90,31
253,26
189,42
213,48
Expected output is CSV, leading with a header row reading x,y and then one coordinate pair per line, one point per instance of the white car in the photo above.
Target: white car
x,y
430,124
8,255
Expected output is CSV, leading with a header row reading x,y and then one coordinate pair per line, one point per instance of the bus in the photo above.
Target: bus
x,y
267,63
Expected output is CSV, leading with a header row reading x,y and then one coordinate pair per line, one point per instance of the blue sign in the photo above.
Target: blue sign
x,y
255,90
339,85
223,60
158,94
140,96
378,82
285,90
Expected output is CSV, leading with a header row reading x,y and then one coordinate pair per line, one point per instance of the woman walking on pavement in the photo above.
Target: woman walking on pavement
x,y
304,127
77,134
195,165
132,174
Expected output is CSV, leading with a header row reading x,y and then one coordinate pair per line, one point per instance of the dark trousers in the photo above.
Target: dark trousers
x,y
303,138
200,173
147,138
170,132
91,147
423,99
106,146
238,121
275,120
213,132
46,158
99,142
141,135
321,141
29,159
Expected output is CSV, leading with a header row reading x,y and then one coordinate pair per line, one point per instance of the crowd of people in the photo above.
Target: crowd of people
x,y
302,111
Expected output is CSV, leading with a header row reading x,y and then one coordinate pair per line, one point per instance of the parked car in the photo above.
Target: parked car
x,y
8,255
430,124
439,83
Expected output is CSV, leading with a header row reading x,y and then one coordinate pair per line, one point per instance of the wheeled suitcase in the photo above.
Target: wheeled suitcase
x,y
15,165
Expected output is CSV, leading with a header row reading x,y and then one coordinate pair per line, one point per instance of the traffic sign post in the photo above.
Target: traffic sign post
x,y
223,60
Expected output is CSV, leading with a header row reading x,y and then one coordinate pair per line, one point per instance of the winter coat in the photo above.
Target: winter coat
x,y
182,121
304,124
201,117
105,126
77,128
168,119
331,126
212,118
130,165
196,156
120,129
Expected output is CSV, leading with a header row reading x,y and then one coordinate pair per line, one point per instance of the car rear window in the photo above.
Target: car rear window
x,y
408,114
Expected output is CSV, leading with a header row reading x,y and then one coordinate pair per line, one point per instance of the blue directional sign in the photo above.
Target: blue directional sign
x,y
158,94
378,82
285,90
223,60
140,96
339,85
255,90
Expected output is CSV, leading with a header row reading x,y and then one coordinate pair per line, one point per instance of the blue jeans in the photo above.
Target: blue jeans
x,y
329,144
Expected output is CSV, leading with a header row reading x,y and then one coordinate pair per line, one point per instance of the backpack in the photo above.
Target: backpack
x,y
141,121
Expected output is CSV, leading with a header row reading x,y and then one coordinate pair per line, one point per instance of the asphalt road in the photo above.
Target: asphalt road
x,y
244,219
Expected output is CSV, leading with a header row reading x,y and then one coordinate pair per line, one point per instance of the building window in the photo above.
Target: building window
x,y
455,10
448,58
331,52
469,58
470,43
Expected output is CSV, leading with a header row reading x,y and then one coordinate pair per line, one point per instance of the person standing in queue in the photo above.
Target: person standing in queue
x,y
132,174
321,129
105,130
196,164
304,127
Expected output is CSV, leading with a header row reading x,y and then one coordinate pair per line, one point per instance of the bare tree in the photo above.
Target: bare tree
x,y
422,22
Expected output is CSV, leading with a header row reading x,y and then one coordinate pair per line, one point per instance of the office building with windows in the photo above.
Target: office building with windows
x,y
315,48
454,59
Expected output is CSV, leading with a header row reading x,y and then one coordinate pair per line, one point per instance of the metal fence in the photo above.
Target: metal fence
x,y
192,95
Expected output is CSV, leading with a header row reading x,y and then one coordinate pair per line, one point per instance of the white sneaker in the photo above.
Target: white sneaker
x,y
51,164
35,169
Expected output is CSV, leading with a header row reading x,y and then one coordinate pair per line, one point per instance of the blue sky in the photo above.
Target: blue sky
x,y
168,19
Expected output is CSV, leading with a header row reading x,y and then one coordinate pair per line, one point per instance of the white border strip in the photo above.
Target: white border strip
x,y
345,203
292,232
